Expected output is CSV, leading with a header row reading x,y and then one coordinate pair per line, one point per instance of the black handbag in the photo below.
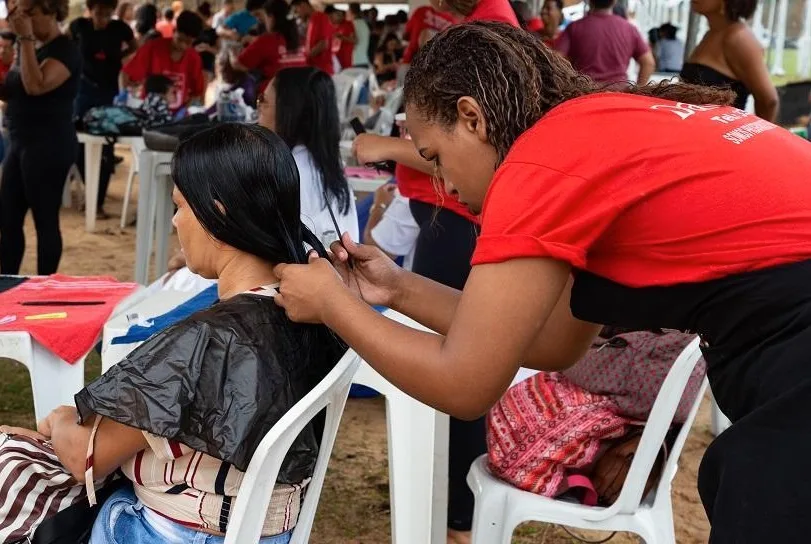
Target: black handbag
x,y
168,137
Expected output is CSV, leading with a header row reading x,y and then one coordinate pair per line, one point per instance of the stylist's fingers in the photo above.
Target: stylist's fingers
x,y
338,251
312,256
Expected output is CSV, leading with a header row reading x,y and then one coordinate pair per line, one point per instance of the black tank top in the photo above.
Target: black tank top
x,y
699,74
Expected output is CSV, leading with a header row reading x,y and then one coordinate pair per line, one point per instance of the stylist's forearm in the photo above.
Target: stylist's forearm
x,y
403,152
426,301
406,358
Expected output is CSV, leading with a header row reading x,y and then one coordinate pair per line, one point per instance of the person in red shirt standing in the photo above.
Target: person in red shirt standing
x,y
166,26
696,220
172,57
320,33
479,10
343,43
274,50
423,25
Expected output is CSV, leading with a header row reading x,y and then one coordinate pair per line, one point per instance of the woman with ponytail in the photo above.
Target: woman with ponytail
x,y
299,105
183,414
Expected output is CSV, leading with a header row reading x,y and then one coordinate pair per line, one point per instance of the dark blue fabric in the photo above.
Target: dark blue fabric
x,y
201,301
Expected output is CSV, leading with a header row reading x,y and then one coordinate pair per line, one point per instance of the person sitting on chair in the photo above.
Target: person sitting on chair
x,y
184,412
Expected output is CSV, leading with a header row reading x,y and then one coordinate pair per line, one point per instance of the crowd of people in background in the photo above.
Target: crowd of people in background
x,y
279,54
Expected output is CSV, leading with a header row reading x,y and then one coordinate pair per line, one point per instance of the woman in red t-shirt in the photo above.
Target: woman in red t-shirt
x,y
276,49
647,208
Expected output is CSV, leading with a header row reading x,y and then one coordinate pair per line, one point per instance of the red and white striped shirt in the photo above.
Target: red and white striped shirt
x,y
197,490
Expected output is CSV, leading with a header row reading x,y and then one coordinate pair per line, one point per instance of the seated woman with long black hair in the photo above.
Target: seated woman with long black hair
x,y
299,105
184,412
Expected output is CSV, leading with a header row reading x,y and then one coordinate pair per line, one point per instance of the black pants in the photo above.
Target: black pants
x,y
34,175
444,248
91,96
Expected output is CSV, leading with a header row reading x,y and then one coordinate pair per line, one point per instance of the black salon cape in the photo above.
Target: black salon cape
x,y
219,380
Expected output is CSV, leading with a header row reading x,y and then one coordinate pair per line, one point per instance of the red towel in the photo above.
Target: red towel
x,y
70,337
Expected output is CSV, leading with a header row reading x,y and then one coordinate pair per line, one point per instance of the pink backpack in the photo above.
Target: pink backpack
x,y
544,429
631,367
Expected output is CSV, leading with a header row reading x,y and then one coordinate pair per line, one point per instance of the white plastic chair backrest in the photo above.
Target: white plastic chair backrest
x,y
659,421
343,93
250,508
384,123
394,100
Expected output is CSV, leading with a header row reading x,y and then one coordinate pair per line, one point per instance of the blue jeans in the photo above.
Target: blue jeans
x,y
123,519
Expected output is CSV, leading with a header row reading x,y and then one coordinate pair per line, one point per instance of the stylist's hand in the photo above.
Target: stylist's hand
x,y
306,290
371,148
374,277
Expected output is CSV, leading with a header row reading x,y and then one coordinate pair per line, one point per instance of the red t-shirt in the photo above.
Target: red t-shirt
x,y
4,68
165,28
155,58
268,53
343,49
424,18
320,28
688,194
601,45
418,186
493,10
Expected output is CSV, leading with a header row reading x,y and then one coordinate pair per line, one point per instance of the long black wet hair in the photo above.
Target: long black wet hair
x,y
242,184
307,114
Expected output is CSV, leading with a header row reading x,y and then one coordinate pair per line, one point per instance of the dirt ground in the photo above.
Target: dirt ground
x,y
354,507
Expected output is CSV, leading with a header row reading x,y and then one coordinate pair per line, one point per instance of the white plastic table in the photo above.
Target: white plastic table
x,y
364,185
54,381
154,212
93,146
118,325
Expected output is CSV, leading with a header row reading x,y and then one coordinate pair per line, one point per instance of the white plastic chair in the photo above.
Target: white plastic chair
x,y
500,507
250,508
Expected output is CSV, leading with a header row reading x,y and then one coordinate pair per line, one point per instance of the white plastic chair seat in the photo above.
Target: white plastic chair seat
x,y
500,507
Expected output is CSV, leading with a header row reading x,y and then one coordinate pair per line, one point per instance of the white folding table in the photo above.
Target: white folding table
x,y
54,381
93,146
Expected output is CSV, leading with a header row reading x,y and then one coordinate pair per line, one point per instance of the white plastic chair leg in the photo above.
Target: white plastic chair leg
x,y
92,167
659,528
66,198
489,521
411,464
719,422
128,194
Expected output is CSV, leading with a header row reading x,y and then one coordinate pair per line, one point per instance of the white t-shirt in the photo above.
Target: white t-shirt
x,y
314,213
397,232
360,53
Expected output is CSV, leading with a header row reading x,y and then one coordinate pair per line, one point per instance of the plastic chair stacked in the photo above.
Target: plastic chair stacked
x,y
500,507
